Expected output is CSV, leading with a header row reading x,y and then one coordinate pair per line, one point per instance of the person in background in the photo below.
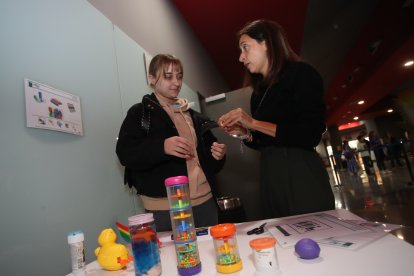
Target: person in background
x,y
286,122
364,150
351,162
163,137
394,150
376,146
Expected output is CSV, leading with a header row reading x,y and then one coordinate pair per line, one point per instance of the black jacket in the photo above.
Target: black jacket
x,y
295,103
140,148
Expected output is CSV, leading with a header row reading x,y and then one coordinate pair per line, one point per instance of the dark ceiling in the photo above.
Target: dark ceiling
x,y
359,47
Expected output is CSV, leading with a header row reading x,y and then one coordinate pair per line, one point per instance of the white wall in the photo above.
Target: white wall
x,y
51,182
158,27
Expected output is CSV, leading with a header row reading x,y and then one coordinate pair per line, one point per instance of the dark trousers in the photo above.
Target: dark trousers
x,y
204,215
367,163
395,155
379,156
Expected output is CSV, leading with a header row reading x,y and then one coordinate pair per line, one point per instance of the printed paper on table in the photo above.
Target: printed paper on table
x,y
317,226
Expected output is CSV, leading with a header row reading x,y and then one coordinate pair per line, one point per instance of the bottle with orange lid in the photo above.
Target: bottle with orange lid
x,y
225,244
264,254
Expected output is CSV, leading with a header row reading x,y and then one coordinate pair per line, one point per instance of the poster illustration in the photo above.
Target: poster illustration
x,y
52,109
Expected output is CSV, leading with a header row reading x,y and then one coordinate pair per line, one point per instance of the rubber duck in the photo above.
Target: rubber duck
x,y
111,255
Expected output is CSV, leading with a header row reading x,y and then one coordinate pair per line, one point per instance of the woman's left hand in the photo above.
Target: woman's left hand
x,y
236,117
218,150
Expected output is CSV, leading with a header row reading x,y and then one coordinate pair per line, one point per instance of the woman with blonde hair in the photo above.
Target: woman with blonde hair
x,y
162,137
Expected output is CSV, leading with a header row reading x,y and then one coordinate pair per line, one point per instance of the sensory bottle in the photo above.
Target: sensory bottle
x,y
182,222
225,244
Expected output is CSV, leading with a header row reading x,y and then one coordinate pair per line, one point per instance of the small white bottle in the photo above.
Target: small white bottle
x,y
77,252
264,255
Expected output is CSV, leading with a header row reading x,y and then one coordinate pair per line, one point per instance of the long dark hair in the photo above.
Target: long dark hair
x,y
278,50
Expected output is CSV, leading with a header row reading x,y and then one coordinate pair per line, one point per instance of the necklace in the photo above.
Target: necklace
x,y
261,100
243,137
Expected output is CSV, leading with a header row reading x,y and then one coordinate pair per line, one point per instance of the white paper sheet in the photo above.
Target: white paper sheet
x,y
325,229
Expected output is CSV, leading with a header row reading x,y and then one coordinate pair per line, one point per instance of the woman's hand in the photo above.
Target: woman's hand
x,y
238,122
218,150
236,130
235,117
179,147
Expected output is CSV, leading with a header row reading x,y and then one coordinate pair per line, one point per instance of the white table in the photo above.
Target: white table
x,y
385,256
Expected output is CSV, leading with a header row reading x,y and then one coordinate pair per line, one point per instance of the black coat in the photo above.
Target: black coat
x,y
295,104
140,148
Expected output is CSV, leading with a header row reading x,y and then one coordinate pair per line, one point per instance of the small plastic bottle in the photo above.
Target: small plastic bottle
x,y
144,243
77,252
264,255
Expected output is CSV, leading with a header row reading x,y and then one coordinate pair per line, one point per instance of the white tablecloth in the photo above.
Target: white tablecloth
x,y
386,256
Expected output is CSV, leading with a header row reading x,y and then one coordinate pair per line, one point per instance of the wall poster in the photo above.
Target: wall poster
x,y
52,109
147,61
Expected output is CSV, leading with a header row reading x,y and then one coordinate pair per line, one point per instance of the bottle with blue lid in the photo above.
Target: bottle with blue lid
x,y
77,252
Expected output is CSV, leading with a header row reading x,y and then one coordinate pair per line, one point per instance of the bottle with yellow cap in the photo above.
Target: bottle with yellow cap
x,y
225,244
264,254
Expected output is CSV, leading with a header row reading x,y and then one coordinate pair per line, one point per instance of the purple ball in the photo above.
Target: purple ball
x,y
307,249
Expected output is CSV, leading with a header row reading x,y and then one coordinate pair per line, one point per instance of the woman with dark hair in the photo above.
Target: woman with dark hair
x,y
163,137
286,122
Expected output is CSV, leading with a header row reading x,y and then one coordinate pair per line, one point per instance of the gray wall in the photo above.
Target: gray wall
x,y
158,27
240,176
51,182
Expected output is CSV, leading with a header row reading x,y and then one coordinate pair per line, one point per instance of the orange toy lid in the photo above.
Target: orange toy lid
x,y
222,230
262,243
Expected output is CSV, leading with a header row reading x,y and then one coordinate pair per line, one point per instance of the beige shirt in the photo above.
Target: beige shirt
x,y
199,187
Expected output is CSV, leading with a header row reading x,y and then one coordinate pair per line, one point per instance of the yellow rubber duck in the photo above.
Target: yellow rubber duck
x,y
111,255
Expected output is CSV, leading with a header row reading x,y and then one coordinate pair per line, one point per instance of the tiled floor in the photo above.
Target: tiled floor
x,y
384,197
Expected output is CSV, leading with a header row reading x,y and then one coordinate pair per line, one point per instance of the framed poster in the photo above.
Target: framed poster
x,y
52,109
